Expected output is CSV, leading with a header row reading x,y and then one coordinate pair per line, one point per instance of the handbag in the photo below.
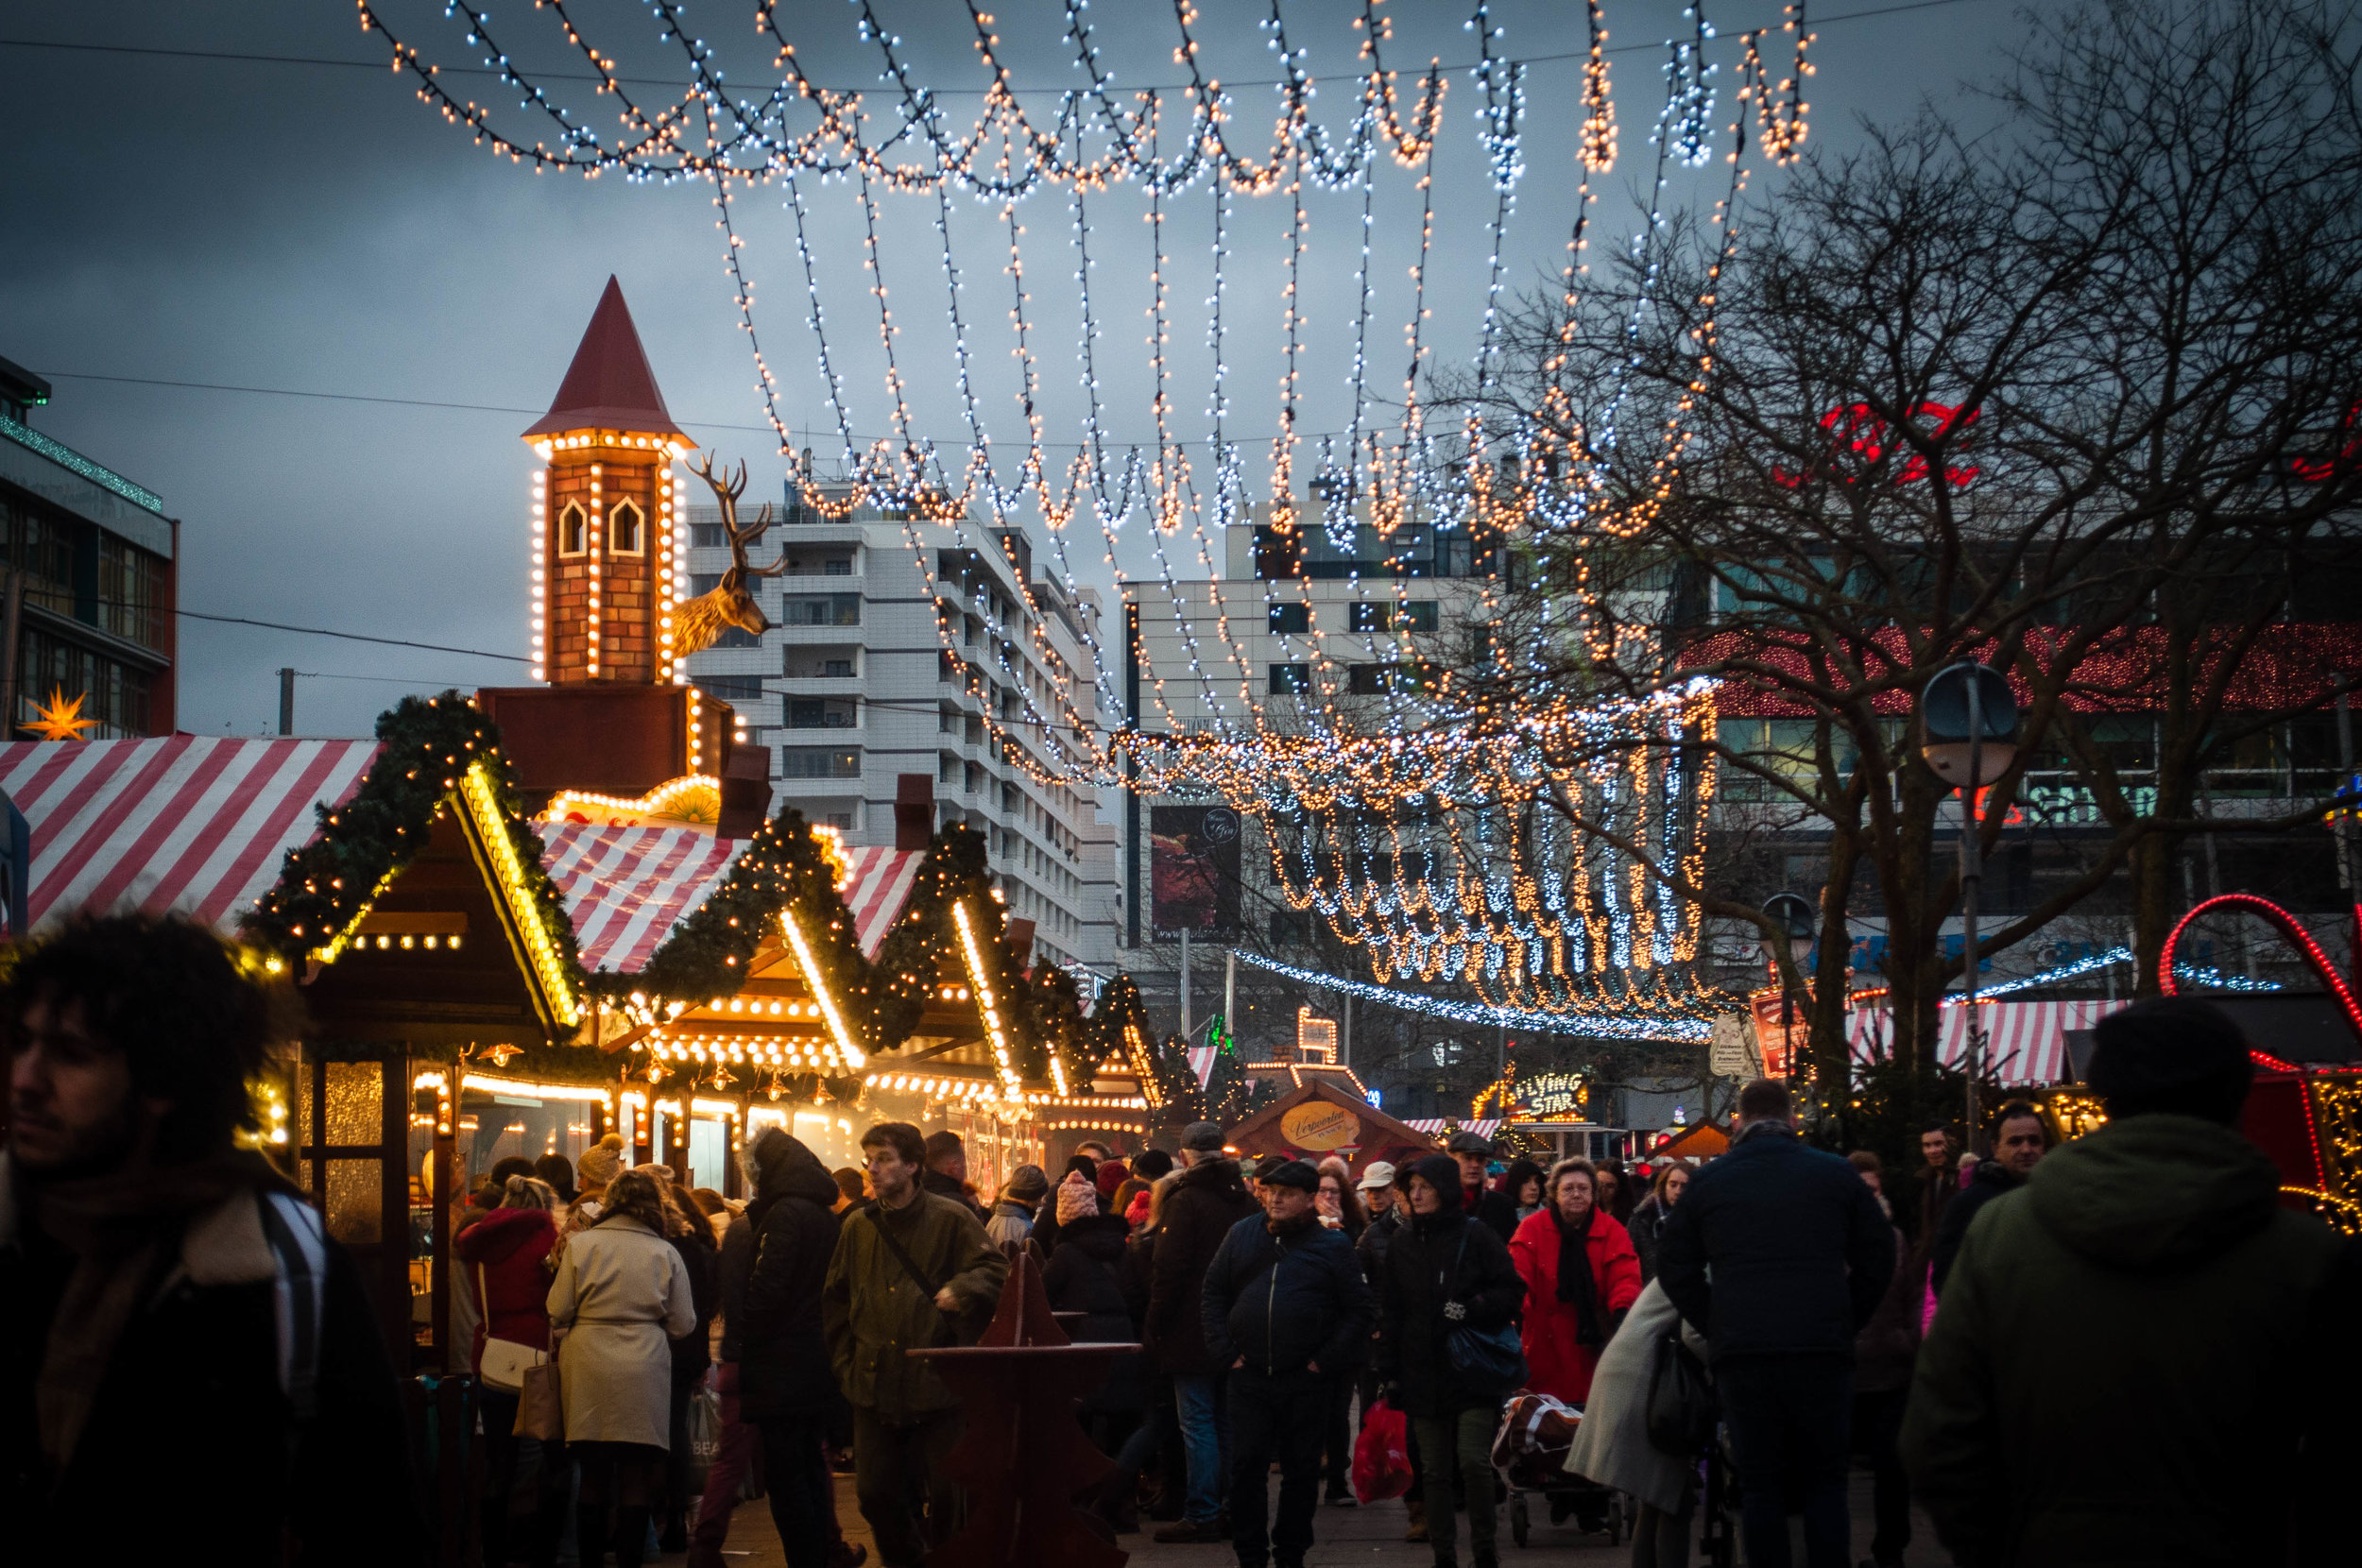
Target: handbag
x,y
1489,1362
1682,1406
504,1362
705,1436
541,1404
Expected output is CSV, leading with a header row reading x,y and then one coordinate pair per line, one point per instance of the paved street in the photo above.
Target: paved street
x,y
1362,1538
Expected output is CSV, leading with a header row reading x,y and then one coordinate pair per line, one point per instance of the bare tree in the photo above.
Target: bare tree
x,y
2038,398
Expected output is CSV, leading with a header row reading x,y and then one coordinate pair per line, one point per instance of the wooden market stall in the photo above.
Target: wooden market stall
x,y
1318,1118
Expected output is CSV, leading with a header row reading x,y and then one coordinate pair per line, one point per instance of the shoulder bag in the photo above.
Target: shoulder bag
x,y
952,1321
1681,1407
1489,1362
504,1363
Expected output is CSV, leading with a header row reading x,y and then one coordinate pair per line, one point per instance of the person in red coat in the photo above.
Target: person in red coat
x,y
503,1256
1581,1275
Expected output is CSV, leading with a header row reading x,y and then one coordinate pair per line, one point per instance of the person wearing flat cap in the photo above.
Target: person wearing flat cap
x,y
1288,1312
1498,1210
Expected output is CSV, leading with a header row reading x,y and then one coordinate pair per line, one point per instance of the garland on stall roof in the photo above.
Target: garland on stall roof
x,y
1120,1033
783,867
1050,1009
426,745
922,952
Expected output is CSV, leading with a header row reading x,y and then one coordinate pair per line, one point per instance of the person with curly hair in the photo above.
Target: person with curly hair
x,y
622,1295
144,1259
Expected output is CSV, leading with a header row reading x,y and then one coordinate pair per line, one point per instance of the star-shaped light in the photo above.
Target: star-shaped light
x,y
60,720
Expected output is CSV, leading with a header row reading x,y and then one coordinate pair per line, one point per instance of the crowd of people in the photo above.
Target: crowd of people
x,y
2124,1350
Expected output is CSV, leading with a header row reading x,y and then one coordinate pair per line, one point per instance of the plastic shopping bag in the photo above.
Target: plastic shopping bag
x,y
705,1435
1381,1454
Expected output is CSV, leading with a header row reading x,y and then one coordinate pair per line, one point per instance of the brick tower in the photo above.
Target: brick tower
x,y
607,516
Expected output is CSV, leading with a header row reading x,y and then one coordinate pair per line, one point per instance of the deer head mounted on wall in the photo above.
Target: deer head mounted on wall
x,y
700,622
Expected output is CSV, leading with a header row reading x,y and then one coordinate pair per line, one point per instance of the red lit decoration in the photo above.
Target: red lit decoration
x,y
2290,665
1864,434
2286,925
2320,470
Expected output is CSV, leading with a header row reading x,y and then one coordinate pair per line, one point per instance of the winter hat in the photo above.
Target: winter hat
x,y
1075,1201
1125,1196
1137,1214
1152,1163
1293,1173
2172,1054
602,1162
1111,1175
1468,1142
1027,1184
1201,1138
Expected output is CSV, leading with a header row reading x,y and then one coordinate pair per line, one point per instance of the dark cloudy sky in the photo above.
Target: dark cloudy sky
x,y
316,229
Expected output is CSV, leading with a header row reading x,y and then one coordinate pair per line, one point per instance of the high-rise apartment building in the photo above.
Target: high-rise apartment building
x,y
890,643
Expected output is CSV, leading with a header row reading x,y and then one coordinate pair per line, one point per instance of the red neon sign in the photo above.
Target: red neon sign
x,y
2286,925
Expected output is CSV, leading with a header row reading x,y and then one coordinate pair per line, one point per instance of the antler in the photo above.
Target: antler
x,y
726,488
777,568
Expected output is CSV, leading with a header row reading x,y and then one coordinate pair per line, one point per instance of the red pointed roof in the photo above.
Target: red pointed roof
x,y
609,387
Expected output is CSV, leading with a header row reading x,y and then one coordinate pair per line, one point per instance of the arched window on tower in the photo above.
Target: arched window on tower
x,y
572,529
626,529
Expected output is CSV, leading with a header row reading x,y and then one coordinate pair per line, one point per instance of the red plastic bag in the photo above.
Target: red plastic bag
x,y
1381,1454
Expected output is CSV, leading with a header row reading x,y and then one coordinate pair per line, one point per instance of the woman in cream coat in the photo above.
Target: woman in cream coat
x,y
1611,1445
620,1299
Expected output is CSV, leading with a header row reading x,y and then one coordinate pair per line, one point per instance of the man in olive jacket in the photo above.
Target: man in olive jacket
x,y
909,1271
2139,1356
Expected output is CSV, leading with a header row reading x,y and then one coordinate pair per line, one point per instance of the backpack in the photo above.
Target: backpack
x,y
299,1296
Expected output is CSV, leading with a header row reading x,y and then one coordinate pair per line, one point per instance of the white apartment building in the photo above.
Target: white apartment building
x,y
1292,617
852,690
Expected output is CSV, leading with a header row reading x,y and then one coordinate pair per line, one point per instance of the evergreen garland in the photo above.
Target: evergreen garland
x,y
426,744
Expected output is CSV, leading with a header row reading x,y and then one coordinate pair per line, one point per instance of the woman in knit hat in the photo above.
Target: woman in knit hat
x,y
1020,1199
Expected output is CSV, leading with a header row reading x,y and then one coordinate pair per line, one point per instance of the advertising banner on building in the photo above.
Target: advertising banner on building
x,y
1193,871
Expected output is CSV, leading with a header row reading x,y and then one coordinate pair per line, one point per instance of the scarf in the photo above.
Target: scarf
x,y
1575,1284
1297,1226
122,1228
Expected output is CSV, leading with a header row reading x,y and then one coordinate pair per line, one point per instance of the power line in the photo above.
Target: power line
x,y
351,637
241,57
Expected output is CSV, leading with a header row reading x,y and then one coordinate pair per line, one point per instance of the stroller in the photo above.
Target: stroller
x,y
1530,1451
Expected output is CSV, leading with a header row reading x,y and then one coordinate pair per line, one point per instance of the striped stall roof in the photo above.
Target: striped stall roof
x,y
881,884
2026,1042
626,888
196,825
1439,1126
1201,1060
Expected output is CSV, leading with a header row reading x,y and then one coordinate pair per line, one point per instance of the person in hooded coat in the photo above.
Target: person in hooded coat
x,y
1446,1269
1208,1199
785,1387
1581,1276
1088,1275
2140,1354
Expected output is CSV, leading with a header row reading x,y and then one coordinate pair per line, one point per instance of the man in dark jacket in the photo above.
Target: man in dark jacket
x,y
908,1272
1288,1312
193,1368
1800,1256
773,1333
1208,1199
1444,1269
2138,1358
946,1172
2019,1139
1478,1198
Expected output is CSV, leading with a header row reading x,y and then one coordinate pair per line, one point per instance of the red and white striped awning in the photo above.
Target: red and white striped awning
x,y
1201,1060
882,881
626,888
1439,1126
196,825
2025,1041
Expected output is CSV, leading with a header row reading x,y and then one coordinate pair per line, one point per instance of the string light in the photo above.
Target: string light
x,y
1579,1025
